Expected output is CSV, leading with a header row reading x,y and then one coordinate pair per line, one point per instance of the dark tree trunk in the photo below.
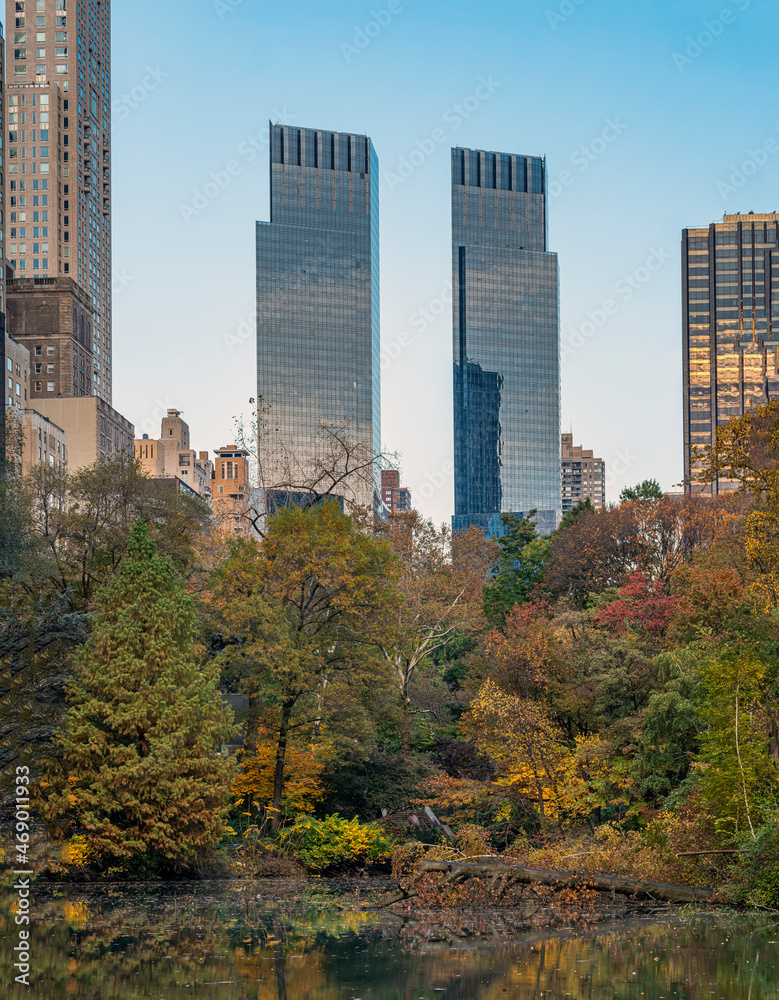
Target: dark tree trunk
x,y
405,728
281,756
278,959
251,724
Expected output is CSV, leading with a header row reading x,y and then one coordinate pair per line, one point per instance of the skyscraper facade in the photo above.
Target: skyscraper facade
x,y
730,301
59,156
506,342
318,307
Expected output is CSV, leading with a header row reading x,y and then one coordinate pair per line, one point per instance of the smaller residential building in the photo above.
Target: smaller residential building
x,y
172,457
17,373
44,443
583,476
33,440
396,498
231,493
95,430
151,455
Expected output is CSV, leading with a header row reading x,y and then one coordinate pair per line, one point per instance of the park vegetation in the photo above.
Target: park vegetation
x,y
605,699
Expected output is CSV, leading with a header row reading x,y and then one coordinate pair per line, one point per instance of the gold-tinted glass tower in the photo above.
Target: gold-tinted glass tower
x,y
58,166
730,301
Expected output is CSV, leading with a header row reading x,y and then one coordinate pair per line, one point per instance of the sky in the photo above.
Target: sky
x,y
653,117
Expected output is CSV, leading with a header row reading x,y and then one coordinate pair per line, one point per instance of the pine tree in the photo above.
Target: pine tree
x,y
140,775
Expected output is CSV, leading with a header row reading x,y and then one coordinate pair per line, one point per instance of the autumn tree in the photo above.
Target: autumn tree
x,y
296,618
604,547
139,774
84,519
524,656
746,454
439,598
521,736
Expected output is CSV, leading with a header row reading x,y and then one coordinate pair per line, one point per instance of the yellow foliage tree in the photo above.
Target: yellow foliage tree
x,y
526,743
303,768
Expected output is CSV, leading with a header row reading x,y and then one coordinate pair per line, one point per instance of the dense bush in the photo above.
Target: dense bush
x,y
335,843
756,879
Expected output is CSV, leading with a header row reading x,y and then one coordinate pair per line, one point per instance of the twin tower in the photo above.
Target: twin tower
x,y
318,327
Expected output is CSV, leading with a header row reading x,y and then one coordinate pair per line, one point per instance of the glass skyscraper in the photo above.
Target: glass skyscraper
x,y
318,339
730,295
506,342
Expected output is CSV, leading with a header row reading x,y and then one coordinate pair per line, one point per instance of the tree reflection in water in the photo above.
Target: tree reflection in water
x,y
219,941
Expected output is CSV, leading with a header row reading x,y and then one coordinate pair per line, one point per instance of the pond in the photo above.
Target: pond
x,y
314,939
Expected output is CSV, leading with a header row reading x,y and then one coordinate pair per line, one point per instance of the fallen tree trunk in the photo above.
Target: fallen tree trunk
x,y
495,869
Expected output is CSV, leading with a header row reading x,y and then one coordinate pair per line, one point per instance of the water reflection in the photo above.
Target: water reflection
x,y
222,942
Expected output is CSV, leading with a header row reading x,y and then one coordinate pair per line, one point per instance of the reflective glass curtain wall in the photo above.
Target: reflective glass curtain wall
x,y
318,338
730,291
506,342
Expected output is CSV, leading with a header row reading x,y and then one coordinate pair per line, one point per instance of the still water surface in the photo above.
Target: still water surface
x,y
223,941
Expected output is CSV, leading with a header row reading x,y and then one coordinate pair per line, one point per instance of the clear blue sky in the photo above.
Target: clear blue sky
x,y
195,81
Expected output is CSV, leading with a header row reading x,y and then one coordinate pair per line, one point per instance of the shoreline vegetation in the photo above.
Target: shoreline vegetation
x,y
337,695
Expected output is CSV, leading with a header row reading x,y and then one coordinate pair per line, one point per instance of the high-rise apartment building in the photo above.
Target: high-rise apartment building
x,y
3,221
52,317
396,498
730,295
58,198
506,342
318,309
583,476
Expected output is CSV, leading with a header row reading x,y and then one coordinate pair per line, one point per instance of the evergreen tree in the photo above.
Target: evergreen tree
x,y
649,490
521,563
139,774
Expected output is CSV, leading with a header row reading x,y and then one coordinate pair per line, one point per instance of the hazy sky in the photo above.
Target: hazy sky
x,y
652,116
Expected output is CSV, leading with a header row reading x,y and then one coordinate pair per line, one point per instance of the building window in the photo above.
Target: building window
x,y
49,387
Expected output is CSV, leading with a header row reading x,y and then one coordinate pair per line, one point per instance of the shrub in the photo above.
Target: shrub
x,y
335,843
473,841
756,877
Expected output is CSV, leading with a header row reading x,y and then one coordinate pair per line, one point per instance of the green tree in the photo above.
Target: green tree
x,y
649,490
296,614
439,589
83,521
139,774
520,567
